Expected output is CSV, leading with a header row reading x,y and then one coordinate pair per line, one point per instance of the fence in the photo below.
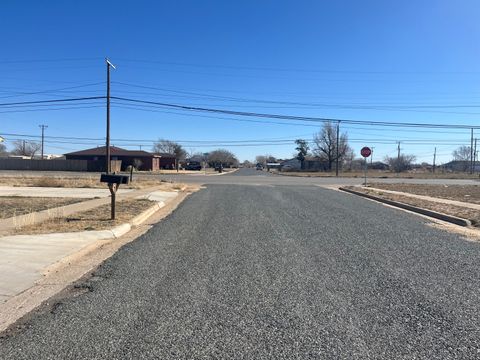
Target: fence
x,y
56,165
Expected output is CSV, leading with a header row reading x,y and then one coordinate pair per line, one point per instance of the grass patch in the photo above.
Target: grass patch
x,y
454,210
94,219
81,182
464,193
11,206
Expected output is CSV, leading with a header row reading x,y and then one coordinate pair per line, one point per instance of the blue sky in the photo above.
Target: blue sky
x,y
412,61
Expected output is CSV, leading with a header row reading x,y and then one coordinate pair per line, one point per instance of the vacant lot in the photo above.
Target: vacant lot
x,y
95,219
83,182
15,206
465,193
383,174
458,211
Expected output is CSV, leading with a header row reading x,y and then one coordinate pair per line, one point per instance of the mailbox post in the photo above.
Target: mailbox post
x,y
114,182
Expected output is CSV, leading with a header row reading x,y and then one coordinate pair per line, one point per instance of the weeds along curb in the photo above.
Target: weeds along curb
x,y
448,218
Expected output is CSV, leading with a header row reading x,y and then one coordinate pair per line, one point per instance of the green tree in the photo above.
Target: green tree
x,y
302,148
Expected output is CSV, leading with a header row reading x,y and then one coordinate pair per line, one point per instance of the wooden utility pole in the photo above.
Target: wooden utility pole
x,y
434,158
371,156
398,157
43,127
471,152
474,156
338,135
107,144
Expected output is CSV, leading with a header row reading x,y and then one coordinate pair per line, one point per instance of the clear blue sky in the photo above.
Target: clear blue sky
x,y
365,60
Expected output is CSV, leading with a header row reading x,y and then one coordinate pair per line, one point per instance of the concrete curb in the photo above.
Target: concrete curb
x,y
139,219
448,218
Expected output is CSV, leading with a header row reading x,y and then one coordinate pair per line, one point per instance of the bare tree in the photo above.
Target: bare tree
x,y
170,147
26,148
222,157
401,163
326,144
261,159
3,149
462,153
349,159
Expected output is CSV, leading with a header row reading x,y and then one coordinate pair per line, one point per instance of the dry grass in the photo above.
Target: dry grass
x,y
384,174
95,219
81,182
465,193
458,211
11,206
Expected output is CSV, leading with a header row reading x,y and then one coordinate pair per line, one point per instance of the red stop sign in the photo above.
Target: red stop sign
x,y
366,152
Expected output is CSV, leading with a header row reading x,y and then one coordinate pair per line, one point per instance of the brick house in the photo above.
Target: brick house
x,y
143,160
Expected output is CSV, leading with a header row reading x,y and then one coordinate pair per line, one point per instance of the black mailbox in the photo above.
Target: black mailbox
x,y
114,179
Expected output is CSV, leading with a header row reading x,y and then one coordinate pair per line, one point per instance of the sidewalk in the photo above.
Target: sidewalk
x,y
24,258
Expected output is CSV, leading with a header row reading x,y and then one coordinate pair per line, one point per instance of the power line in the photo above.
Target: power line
x,y
53,101
291,117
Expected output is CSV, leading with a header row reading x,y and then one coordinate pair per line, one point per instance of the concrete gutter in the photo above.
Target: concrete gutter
x,y
448,218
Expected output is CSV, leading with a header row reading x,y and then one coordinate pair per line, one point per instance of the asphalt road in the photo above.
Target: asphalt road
x,y
253,177
272,272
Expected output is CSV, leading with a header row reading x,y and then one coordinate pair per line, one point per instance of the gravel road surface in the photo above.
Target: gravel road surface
x,y
272,272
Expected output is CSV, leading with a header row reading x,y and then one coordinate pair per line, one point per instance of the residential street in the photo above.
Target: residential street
x,y
267,270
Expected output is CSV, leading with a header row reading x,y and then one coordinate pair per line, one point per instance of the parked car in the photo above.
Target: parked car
x,y
259,166
194,165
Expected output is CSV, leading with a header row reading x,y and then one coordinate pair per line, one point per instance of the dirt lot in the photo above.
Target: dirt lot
x,y
383,175
465,193
95,219
461,212
84,182
15,206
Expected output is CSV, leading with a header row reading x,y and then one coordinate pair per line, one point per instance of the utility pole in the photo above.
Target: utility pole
x,y
474,156
398,156
471,153
434,158
43,127
107,147
371,156
338,135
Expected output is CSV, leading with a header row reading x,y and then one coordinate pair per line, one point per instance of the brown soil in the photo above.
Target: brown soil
x,y
383,174
11,206
458,211
465,193
95,219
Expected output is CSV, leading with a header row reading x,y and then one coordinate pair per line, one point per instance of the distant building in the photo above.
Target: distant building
x,y
140,159
311,163
461,165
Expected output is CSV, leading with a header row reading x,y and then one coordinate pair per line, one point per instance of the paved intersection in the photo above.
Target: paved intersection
x,y
272,271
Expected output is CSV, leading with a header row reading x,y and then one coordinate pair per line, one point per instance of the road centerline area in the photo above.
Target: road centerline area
x,y
272,272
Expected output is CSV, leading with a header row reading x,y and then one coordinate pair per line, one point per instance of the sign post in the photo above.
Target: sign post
x,y
365,152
